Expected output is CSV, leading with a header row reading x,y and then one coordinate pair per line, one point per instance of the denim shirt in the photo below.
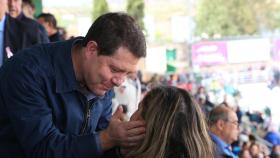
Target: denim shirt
x,y
42,112
222,148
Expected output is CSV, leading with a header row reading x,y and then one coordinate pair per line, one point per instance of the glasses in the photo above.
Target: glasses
x,y
233,122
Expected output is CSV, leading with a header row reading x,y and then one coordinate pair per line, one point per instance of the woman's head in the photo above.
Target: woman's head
x,y
175,125
254,150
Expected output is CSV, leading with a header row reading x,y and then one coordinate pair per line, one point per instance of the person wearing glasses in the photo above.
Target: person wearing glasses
x,y
224,130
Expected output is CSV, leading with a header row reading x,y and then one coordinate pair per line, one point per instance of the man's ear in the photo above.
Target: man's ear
x,y
50,25
91,48
220,124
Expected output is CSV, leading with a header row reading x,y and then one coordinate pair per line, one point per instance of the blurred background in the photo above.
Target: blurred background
x,y
229,48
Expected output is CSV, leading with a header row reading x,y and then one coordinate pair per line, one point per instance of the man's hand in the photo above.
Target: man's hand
x,y
121,133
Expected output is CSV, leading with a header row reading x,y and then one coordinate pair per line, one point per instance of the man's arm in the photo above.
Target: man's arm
x,y
22,91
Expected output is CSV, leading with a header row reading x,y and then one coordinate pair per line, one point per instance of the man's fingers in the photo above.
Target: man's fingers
x,y
136,131
133,141
136,138
118,113
127,145
134,124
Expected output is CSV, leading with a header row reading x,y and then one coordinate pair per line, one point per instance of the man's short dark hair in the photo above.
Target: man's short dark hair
x,y
220,112
29,2
48,17
113,30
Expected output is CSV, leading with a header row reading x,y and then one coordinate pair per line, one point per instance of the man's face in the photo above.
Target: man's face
x,y
231,128
14,7
102,73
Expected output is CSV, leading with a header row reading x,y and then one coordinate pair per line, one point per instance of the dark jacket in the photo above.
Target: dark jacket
x,y
42,112
56,37
34,25
18,35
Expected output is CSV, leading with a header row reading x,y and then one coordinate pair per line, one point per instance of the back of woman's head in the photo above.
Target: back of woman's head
x,y
175,126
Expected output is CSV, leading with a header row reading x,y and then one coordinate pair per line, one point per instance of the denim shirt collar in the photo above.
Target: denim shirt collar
x,y
63,66
219,141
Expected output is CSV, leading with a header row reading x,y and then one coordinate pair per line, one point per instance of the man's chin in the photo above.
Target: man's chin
x,y
100,93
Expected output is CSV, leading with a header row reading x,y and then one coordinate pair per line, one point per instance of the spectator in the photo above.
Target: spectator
x,y
244,154
28,8
255,150
33,27
202,98
224,130
14,35
272,135
275,153
49,22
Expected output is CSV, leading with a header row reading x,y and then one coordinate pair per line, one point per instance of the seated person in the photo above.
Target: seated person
x,y
224,130
175,126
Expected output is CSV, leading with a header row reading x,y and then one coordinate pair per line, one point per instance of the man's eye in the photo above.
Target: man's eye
x,y
114,70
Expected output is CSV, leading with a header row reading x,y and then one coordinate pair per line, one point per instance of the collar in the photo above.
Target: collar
x,y
219,141
224,147
2,23
63,66
20,16
86,93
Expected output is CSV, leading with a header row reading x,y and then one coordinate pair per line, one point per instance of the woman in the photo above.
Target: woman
x,y
176,127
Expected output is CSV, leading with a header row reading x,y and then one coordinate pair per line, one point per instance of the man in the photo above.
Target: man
x,y
13,34
224,130
272,135
49,22
55,99
15,10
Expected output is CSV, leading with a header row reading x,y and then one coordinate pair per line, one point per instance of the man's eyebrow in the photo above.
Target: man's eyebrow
x,y
117,69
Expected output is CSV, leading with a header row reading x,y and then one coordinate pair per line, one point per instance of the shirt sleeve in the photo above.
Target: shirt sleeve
x,y
25,101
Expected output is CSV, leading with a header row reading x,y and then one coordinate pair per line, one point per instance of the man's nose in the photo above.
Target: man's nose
x,y
117,81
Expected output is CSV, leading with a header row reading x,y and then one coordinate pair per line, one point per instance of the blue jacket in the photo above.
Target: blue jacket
x,y
272,137
42,112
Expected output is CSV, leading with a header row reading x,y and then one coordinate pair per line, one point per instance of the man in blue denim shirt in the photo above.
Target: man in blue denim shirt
x,y
55,99
224,130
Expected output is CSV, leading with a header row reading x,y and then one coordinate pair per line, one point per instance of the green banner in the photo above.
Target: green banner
x,y
170,58
38,7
